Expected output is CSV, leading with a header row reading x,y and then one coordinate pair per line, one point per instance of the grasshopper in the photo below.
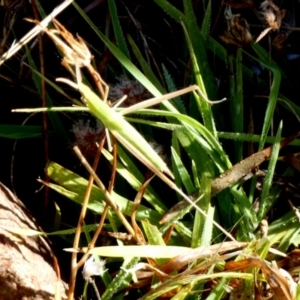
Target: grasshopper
x,y
230,177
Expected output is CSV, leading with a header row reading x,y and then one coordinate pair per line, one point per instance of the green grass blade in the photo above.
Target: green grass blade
x,y
205,30
290,106
202,226
184,174
219,291
175,146
289,237
276,189
201,69
144,65
269,176
251,138
263,58
121,281
195,175
210,144
154,238
20,132
177,102
172,218
74,186
236,100
196,152
135,179
117,28
171,10
157,124
279,228
245,212
119,55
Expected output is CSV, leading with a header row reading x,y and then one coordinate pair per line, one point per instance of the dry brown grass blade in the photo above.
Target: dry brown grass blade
x,y
180,261
263,33
138,232
277,281
293,160
178,207
246,166
34,32
75,53
168,234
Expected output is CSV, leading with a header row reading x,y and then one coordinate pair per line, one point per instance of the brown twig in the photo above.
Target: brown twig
x,y
110,201
138,232
232,175
107,195
105,210
74,265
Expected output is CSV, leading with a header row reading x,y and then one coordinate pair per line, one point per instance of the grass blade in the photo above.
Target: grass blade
x,y
269,176
117,28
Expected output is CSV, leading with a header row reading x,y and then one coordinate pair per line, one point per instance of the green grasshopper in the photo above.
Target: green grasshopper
x,y
125,133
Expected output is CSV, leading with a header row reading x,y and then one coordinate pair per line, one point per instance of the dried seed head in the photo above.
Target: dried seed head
x,y
238,31
279,40
273,17
93,268
134,90
272,14
77,52
87,136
